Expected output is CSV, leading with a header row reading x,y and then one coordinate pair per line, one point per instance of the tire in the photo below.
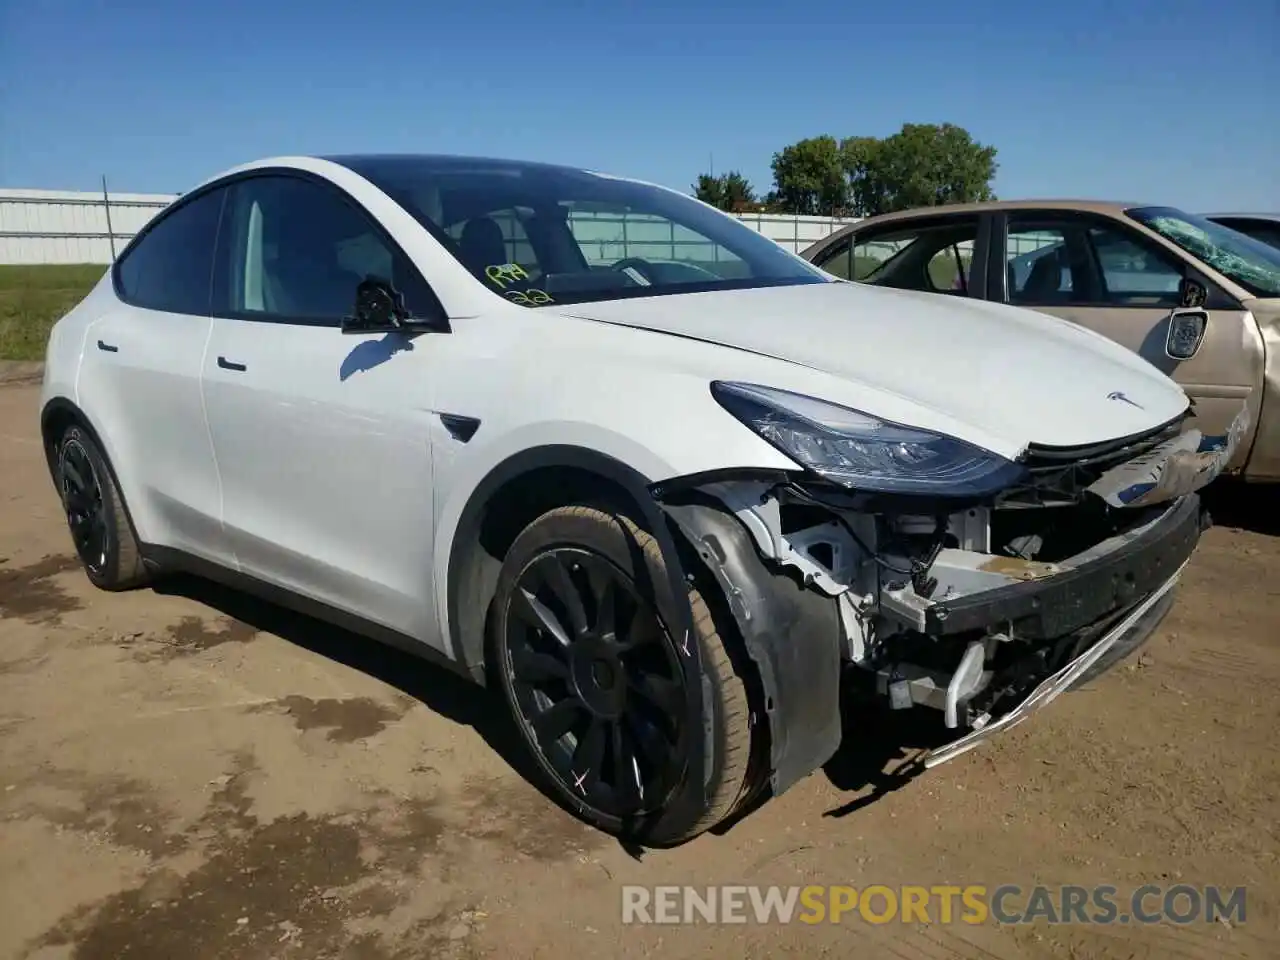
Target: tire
x,y
617,678
97,518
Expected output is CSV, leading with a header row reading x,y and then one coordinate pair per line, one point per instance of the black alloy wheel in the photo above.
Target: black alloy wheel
x,y
637,725
597,681
97,517
83,500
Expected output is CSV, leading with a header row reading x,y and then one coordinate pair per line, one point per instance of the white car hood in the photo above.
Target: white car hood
x,y
1013,377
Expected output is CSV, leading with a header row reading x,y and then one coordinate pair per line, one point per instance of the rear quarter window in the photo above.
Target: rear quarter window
x,y
169,266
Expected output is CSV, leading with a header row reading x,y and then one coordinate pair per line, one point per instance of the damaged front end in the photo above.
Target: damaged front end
x,y
983,606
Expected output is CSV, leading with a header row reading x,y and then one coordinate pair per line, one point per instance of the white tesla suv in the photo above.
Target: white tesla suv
x,y
595,444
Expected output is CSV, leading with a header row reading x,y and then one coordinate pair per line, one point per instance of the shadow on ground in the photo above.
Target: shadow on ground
x,y
878,754
1244,506
879,749
440,690
876,751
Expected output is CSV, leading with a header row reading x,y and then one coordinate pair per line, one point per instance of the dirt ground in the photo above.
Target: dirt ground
x,y
186,773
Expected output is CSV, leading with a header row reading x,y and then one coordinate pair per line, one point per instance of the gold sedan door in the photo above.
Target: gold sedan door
x,y
1103,274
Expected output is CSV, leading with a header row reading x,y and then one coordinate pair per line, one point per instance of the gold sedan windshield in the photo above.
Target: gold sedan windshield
x,y
1249,262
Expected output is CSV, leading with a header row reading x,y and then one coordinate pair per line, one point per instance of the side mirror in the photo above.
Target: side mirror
x,y
380,309
1186,332
1191,293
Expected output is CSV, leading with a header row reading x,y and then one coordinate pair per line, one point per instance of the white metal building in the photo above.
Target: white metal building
x,y
62,226
794,232
59,226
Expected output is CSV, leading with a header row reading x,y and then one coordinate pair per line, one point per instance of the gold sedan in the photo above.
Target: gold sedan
x,y
1197,299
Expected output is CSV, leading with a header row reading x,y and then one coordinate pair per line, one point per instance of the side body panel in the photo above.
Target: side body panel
x,y
324,443
139,382
1264,458
534,379
63,352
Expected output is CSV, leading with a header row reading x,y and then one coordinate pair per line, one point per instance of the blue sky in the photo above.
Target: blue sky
x,y
1167,101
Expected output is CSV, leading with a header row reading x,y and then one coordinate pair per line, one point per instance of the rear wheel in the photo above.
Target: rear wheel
x,y
96,514
598,685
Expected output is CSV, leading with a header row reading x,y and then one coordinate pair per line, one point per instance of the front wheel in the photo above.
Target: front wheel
x,y
599,689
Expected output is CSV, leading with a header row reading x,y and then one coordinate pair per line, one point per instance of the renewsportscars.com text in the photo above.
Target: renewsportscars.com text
x,y
972,904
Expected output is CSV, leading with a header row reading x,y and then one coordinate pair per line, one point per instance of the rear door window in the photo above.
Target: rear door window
x,y
870,254
837,260
932,257
168,268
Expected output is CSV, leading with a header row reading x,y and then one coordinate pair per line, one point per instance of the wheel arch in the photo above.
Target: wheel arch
x,y
56,416
509,497
786,637
790,633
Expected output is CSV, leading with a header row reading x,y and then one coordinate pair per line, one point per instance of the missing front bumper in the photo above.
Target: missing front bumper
x,y
1076,594
1123,638
810,597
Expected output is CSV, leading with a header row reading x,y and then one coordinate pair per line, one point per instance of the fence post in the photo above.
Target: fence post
x,y
106,206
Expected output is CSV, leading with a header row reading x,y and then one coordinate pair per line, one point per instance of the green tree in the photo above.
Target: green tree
x,y
710,190
738,192
858,158
809,178
922,165
729,192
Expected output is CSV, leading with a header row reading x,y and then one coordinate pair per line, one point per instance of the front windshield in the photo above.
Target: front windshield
x,y
1249,262
539,234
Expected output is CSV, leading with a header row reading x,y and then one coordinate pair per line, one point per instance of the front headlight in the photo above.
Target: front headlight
x,y
862,452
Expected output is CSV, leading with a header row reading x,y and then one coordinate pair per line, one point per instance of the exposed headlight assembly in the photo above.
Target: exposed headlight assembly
x,y
862,452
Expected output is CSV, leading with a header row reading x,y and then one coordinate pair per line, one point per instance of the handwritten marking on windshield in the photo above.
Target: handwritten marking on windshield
x,y
504,274
529,298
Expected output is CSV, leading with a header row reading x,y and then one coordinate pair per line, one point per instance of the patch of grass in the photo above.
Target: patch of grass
x,y
33,298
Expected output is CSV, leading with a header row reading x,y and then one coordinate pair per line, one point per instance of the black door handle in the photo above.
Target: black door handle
x,y
226,364
108,347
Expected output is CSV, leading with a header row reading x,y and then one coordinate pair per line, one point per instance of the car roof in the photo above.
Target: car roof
x,y
438,160
1107,207
372,165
